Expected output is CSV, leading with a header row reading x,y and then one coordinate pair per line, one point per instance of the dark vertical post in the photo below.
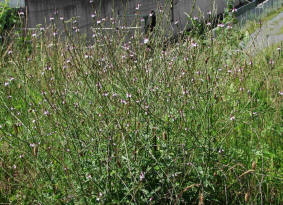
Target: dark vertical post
x,y
152,20
172,10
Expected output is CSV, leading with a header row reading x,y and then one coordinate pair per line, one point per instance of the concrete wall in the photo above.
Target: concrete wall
x,y
40,11
201,7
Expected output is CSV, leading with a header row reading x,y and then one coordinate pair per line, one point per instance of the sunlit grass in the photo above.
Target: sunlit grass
x,y
120,121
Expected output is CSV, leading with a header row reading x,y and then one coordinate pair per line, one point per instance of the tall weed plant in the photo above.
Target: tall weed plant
x,y
126,120
12,31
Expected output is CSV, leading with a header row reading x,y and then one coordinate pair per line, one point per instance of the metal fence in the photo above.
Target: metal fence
x,y
15,3
255,11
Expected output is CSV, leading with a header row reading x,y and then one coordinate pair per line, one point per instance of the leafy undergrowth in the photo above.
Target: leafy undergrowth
x,y
126,121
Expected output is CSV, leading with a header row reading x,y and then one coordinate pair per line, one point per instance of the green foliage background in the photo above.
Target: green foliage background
x,y
8,18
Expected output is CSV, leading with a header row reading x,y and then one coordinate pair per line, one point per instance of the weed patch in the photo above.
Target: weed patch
x,y
123,120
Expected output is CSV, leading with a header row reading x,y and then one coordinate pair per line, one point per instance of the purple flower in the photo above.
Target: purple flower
x,y
146,40
142,176
232,118
194,44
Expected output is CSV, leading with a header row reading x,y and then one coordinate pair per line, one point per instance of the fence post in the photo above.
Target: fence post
x,y
172,11
272,4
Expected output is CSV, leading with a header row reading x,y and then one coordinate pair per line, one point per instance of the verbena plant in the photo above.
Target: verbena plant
x,y
125,120
12,32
